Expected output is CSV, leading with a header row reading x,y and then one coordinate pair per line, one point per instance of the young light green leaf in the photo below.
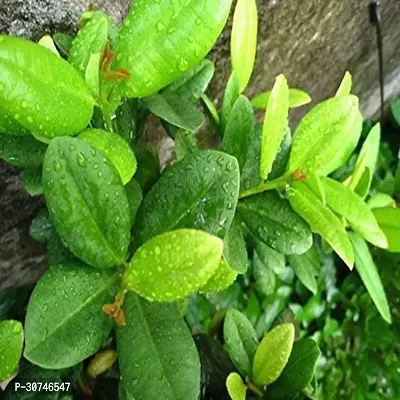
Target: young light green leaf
x,y
263,275
244,41
176,110
68,298
158,337
345,86
87,202
173,265
272,220
92,75
239,130
366,267
235,386
231,94
321,134
185,144
272,354
223,277
297,98
298,372
321,220
178,38
380,200
349,205
235,252
240,341
47,42
9,126
11,342
314,182
22,151
135,196
275,124
202,184
306,266
91,39
115,148
212,110
55,101
32,180
388,219
193,83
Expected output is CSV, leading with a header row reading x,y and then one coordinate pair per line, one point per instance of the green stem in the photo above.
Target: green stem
x,y
264,186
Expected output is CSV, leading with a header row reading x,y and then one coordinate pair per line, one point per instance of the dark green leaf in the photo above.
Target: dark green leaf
x,y
157,356
11,342
148,170
63,42
135,196
41,228
263,275
235,253
68,298
185,144
232,93
32,180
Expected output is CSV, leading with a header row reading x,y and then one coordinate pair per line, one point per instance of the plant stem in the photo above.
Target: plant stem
x,y
264,186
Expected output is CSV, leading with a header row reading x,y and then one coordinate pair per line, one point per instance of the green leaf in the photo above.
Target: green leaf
x,y
321,134
53,100
366,267
193,83
349,205
239,130
87,202
271,258
63,42
22,151
173,265
212,110
199,192
32,180
176,110
10,126
345,85
244,41
263,275
11,342
272,220
235,252
282,158
272,354
165,364
148,170
41,228
364,185
68,298
223,277
185,144
380,200
180,35
321,220
47,42
240,341
115,148
135,196
236,388
388,219
275,123
92,75
307,267
298,372
297,98
91,39
231,94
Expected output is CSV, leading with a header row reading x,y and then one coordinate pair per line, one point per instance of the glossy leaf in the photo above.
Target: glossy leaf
x,y
87,202
388,219
231,94
235,252
240,341
307,267
135,196
275,123
173,265
52,98
272,354
179,36
321,133
10,126
272,220
68,298
380,200
185,144
11,342
282,158
90,39
165,364
199,192
349,205
211,109
271,258
321,220
297,98
63,42
148,170
236,388
244,41
298,372
115,149
367,269
263,275
223,277
345,86
193,83
22,151
92,75
239,130
176,110
32,180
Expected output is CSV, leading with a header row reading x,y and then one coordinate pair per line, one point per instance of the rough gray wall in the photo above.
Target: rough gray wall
x,y
313,42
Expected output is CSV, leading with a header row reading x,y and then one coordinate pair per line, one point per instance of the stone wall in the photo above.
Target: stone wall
x,y
313,42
